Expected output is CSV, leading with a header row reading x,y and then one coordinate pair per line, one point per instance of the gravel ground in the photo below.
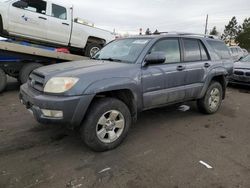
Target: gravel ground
x,y
164,149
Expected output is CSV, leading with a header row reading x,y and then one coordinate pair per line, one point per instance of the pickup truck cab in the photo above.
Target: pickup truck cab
x,y
104,95
52,23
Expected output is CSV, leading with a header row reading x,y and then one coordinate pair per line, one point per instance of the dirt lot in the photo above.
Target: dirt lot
x,y
163,149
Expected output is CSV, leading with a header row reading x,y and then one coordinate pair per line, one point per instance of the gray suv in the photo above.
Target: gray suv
x,y
103,96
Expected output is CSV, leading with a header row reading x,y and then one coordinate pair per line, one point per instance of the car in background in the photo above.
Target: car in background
x,y
245,52
241,74
237,52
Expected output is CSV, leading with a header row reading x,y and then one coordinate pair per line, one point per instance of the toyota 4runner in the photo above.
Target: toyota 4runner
x,y
103,96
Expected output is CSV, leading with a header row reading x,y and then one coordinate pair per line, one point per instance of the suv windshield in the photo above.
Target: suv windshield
x,y
246,59
122,50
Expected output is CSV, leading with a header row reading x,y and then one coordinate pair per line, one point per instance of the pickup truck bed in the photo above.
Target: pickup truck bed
x,y
39,52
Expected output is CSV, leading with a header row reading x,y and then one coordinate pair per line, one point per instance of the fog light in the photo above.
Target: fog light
x,y
52,113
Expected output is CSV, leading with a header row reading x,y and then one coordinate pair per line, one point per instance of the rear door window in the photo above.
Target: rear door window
x,y
191,50
59,12
204,54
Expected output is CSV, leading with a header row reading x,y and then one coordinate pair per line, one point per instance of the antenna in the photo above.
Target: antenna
x,y
206,25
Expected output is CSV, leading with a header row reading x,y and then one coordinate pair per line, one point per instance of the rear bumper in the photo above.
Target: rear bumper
x,y
73,108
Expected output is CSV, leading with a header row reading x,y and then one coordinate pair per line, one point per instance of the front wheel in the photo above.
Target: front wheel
x,y
212,100
106,124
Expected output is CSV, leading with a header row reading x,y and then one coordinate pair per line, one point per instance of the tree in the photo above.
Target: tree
x,y
231,31
214,31
243,37
148,32
245,25
156,32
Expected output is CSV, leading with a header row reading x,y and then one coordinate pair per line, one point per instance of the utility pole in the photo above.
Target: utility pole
x,y
206,25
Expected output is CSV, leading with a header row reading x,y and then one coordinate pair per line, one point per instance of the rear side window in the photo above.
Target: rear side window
x,y
221,49
194,50
59,12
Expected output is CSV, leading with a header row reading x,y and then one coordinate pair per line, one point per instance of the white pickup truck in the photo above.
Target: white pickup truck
x,y
50,23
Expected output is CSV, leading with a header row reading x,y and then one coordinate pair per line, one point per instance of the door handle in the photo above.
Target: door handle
x,y
65,24
207,65
180,68
40,17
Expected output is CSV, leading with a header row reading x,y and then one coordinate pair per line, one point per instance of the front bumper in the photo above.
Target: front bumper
x,y
231,81
73,107
240,79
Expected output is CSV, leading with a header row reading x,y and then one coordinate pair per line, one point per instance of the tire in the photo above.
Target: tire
x,y
95,122
3,80
92,49
26,70
212,100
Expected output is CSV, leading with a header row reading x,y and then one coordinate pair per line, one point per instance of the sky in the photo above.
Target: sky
x,y
164,15
128,16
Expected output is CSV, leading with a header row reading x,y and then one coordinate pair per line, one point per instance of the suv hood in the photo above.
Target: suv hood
x,y
86,68
90,72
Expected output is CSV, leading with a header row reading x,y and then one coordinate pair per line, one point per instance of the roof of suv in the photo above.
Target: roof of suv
x,y
186,35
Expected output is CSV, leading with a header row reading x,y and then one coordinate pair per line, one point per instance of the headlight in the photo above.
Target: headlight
x,y
60,84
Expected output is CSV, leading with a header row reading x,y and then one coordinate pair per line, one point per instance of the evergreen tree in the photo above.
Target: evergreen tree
x,y
148,32
245,24
231,31
214,31
243,37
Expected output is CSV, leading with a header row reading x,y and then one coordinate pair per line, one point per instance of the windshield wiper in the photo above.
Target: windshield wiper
x,y
110,59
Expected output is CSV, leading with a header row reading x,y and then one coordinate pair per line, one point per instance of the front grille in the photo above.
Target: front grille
x,y
239,73
36,81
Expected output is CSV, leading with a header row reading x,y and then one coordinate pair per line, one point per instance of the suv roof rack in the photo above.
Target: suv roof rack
x,y
186,34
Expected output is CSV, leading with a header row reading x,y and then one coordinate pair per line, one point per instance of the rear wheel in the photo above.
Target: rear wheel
x,y
212,100
3,80
92,49
26,70
106,125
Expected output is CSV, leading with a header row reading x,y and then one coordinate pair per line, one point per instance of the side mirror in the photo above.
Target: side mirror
x,y
155,58
20,4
